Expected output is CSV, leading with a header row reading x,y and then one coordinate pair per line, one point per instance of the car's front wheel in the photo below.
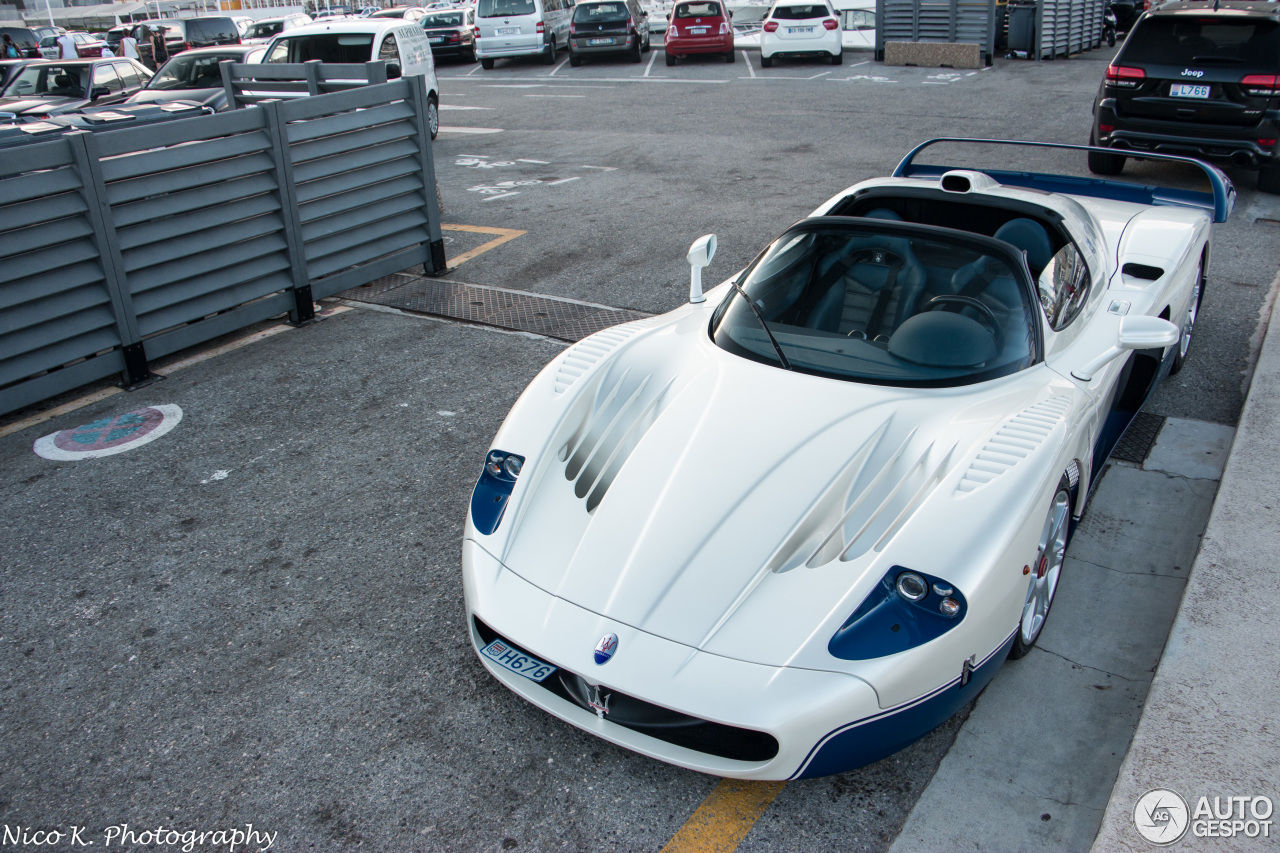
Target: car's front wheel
x,y
1269,178
1045,571
433,116
550,58
1189,321
1104,164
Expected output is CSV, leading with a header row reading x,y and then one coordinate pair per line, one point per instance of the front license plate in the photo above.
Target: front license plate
x,y
507,31
1186,90
521,664
798,30
600,41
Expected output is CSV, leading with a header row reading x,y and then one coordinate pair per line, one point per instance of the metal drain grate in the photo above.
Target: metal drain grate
x,y
1137,440
524,312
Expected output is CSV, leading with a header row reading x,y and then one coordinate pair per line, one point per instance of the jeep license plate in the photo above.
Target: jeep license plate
x,y
1187,90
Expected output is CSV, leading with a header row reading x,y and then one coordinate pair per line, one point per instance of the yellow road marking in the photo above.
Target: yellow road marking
x,y
725,817
503,235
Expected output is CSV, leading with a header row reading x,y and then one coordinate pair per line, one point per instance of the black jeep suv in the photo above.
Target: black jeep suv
x,y
1195,77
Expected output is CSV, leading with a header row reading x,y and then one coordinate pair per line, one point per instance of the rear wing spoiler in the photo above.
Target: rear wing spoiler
x,y
1219,201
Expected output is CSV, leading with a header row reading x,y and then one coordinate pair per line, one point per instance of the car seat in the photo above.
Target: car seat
x,y
868,297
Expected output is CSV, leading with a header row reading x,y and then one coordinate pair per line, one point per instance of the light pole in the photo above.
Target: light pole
x,y
49,9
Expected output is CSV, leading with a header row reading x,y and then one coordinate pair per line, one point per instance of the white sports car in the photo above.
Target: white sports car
x,y
792,526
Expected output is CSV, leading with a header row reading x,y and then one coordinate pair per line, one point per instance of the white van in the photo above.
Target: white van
x,y
405,47
521,28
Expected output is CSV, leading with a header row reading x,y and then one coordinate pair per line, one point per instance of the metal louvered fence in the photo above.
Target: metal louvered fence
x,y
947,21
1064,27
120,247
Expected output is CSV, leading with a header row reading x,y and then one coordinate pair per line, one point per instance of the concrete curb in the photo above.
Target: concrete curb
x,y
1207,729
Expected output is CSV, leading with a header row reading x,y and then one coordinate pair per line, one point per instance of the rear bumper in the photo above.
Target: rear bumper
x,y
504,46
445,51
802,47
1237,144
579,45
684,45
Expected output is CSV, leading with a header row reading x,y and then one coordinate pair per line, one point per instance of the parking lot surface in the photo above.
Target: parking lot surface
x,y
257,618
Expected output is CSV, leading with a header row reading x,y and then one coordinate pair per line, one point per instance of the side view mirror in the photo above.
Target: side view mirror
x,y
700,254
98,92
1135,333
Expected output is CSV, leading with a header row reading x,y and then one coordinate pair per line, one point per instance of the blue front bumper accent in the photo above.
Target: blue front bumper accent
x,y
886,623
870,739
490,496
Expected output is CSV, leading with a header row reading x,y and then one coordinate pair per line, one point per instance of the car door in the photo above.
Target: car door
x,y
105,77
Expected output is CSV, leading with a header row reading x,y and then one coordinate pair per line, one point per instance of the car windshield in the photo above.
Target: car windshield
x,y
264,29
1200,40
504,8
596,13
54,81
327,47
696,10
867,302
800,13
443,19
185,71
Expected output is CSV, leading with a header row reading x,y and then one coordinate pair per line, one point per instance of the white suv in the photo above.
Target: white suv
x,y
800,29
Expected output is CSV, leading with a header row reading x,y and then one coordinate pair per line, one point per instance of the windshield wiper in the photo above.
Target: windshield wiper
x,y
754,310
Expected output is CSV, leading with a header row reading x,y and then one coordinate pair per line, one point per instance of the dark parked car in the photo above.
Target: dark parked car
x,y
194,76
189,33
452,33
25,39
9,69
54,87
1198,79
609,26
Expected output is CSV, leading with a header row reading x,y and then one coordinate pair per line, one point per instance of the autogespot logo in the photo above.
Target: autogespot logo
x,y
1161,816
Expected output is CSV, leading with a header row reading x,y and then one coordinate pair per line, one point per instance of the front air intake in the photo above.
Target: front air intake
x,y
956,183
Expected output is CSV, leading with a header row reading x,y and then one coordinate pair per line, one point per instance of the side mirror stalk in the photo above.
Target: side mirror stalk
x,y
700,255
1135,333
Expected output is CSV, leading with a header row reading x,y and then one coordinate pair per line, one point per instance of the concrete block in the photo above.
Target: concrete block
x,y
933,54
1193,449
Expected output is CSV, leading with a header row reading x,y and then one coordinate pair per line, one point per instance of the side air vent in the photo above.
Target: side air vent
x,y
1142,271
1017,439
587,352
608,433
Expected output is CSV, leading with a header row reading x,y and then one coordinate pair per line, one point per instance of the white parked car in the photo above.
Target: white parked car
x,y
801,29
405,48
792,526
263,30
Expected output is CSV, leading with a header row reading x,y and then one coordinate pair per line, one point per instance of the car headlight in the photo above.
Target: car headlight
x,y
906,609
493,489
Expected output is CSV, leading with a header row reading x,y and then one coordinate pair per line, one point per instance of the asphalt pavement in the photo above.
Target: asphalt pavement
x,y
257,618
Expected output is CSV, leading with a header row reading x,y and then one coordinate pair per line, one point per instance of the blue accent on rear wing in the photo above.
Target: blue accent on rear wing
x,y
1219,202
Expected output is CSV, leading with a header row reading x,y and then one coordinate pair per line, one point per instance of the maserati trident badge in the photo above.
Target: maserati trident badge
x,y
606,647
598,700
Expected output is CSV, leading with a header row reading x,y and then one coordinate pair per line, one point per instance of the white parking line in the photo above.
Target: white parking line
x,y
474,70
555,96
603,168
496,197
816,76
863,62
557,68
746,57
539,162
653,54
454,107
444,129
562,181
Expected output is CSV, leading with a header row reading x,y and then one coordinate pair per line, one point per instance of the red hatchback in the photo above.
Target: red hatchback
x,y
699,26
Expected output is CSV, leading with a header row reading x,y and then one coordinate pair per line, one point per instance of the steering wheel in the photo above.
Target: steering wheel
x,y
988,315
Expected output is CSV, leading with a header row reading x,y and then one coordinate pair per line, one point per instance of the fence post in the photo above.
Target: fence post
x,y
312,69
436,263
303,310
84,150
229,87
